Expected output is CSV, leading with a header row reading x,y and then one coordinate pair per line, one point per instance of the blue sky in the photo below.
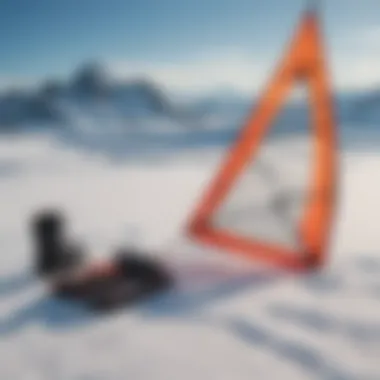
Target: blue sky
x,y
180,42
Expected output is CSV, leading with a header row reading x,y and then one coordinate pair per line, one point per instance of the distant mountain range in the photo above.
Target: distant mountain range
x,y
89,88
90,99
366,108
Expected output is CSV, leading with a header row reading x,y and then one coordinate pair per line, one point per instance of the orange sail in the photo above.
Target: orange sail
x,y
304,64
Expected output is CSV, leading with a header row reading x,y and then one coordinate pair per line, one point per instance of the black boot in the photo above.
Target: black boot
x,y
52,253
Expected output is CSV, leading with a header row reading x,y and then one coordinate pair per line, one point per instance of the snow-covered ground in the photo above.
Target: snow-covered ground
x,y
227,319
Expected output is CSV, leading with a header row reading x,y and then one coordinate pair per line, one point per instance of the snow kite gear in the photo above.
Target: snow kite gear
x,y
129,277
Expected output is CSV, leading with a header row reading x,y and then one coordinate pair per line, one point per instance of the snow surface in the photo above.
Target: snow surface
x,y
228,319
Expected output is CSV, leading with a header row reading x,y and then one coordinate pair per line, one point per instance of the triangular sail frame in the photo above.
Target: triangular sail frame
x,y
303,63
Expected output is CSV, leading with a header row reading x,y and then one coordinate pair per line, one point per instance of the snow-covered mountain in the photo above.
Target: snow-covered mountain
x,y
367,108
89,94
90,97
92,111
19,108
